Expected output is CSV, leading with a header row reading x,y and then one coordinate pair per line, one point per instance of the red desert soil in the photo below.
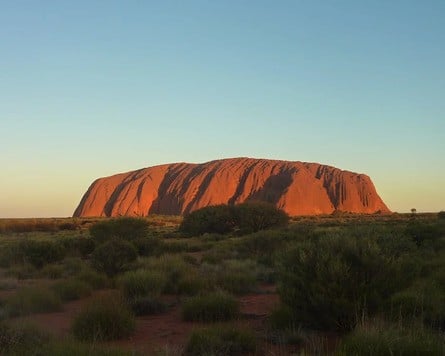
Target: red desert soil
x,y
298,188
166,330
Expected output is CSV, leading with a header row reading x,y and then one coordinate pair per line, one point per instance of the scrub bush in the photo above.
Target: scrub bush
x,y
30,300
79,245
391,340
222,219
93,278
255,216
103,319
217,219
142,283
331,282
211,307
147,305
424,301
148,245
220,341
173,267
22,339
71,289
113,257
125,228
39,253
237,277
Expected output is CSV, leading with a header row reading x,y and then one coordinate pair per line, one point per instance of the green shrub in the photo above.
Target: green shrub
x,y
39,253
211,219
193,284
28,339
53,271
147,305
441,214
423,233
425,300
392,340
142,283
124,228
92,278
71,289
69,267
263,245
220,341
32,300
174,267
393,243
191,260
438,276
22,339
148,246
237,277
76,348
282,317
113,256
284,328
222,251
213,237
166,263
266,274
212,307
105,318
255,216
22,271
79,245
72,266
330,282
175,246
222,219
70,226
10,255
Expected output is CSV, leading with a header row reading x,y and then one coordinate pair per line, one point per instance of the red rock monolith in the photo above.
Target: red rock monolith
x,y
298,188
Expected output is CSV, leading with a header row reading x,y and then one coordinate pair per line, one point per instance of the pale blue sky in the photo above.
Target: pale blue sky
x,y
92,88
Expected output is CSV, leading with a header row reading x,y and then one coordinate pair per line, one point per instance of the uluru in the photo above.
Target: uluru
x,y
299,188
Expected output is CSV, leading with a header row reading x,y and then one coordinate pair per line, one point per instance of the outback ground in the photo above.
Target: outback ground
x,y
340,284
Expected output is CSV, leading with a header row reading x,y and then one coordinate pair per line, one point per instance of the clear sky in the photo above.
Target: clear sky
x,y
93,88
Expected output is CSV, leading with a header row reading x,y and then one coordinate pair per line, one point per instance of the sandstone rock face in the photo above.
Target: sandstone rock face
x,y
298,188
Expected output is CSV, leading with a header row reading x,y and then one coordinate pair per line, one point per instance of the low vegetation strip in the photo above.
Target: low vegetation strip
x,y
374,282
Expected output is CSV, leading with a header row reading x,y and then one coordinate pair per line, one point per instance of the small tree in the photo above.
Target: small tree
x,y
212,219
247,217
113,256
255,216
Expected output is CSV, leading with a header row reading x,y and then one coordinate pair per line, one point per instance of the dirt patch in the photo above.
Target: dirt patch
x,y
159,331
169,331
164,331
59,323
259,305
